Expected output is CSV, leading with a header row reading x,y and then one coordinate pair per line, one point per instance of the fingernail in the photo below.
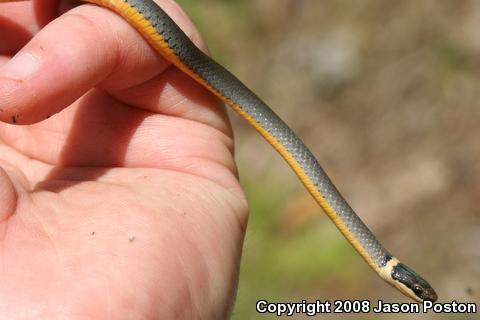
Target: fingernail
x,y
23,66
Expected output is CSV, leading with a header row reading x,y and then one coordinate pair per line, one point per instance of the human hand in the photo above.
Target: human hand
x,y
119,193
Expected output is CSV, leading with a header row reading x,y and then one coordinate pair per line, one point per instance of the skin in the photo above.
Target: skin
x,y
119,194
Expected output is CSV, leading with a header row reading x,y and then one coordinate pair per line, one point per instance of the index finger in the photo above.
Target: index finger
x,y
20,20
17,25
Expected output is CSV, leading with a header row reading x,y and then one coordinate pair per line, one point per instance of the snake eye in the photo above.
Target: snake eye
x,y
417,289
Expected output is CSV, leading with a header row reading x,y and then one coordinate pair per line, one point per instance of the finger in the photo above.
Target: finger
x,y
87,46
17,25
104,133
180,96
97,130
21,19
8,198
45,11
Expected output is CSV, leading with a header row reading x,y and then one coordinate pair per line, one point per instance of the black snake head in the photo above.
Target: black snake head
x,y
406,277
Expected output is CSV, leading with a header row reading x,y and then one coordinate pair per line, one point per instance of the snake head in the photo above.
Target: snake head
x,y
411,284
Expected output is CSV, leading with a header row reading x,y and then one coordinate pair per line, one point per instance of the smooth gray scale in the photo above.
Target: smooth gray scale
x,y
233,89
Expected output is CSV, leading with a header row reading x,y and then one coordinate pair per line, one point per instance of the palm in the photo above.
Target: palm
x,y
128,205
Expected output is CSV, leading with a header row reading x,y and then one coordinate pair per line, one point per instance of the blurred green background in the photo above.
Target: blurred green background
x,y
386,95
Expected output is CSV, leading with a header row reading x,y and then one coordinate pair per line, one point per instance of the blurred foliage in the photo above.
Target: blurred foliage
x,y
385,93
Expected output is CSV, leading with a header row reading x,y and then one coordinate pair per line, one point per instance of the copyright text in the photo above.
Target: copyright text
x,y
361,306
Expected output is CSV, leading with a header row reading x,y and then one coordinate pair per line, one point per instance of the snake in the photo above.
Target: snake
x,y
171,43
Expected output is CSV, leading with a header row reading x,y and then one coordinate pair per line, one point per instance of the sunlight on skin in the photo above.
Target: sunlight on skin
x,y
147,155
